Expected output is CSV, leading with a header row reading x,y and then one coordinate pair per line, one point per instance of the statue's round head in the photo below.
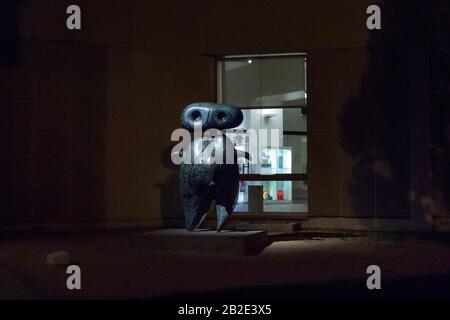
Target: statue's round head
x,y
211,116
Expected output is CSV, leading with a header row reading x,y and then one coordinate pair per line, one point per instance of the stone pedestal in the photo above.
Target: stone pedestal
x,y
203,241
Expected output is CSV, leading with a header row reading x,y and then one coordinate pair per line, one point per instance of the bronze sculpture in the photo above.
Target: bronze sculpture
x,y
209,170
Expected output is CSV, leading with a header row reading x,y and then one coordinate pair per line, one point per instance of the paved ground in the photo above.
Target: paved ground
x,y
308,265
12,288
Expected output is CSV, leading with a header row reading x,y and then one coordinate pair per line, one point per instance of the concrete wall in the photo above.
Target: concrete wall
x,y
85,122
87,115
53,105
146,94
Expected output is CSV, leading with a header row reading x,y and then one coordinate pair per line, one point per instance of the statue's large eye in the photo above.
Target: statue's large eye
x,y
221,115
196,115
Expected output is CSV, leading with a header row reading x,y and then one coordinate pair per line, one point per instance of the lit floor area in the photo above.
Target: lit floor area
x,y
301,265
294,207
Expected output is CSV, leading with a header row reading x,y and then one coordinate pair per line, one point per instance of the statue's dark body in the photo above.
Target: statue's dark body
x,y
202,182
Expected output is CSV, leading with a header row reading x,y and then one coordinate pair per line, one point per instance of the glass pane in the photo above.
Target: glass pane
x,y
298,145
283,81
276,154
268,81
241,82
278,196
272,92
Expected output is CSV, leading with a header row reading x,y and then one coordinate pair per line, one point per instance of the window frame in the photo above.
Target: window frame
x,y
266,177
220,66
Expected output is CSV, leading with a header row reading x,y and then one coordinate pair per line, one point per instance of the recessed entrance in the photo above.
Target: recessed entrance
x,y
271,91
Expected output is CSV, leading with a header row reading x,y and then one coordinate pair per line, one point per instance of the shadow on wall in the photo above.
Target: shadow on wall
x,y
440,112
382,124
9,29
172,215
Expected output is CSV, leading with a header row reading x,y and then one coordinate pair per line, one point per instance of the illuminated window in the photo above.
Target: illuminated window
x,y
271,91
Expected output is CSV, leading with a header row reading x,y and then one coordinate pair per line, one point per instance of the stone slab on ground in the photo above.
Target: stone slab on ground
x,y
59,258
203,241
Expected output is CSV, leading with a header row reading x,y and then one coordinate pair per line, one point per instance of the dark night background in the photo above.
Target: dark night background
x,y
86,118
